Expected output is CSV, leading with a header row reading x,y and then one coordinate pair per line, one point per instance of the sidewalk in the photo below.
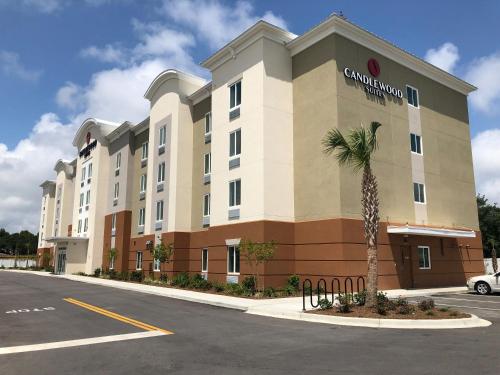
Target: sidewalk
x,y
285,308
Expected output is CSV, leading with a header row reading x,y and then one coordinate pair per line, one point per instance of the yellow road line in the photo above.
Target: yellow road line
x,y
124,319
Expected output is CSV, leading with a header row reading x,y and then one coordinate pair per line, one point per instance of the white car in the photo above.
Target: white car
x,y
484,284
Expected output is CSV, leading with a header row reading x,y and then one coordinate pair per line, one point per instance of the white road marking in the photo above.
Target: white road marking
x,y
468,307
36,309
465,299
80,342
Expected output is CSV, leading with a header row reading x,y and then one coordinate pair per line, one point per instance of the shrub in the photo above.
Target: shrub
x,y
97,272
136,276
198,282
405,309
181,280
249,285
444,309
123,276
453,313
307,290
401,302
233,289
426,304
113,274
360,298
218,287
148,280
163,278
325,304
430,313
294,282
269,292
344,305
289,290
81,273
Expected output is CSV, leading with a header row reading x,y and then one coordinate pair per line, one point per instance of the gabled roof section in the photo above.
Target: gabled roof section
x,y
142,126
201,94
99,129
339,25
261,29
118,131
171,74
66,166
47,184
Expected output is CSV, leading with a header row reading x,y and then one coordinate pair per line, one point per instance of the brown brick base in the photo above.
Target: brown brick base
x,y
321,249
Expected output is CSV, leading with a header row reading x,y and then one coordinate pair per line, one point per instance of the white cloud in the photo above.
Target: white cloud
x,y
26,166
51,6
11,65
484,74
69,96
445,57
215,22
486,153
44,6
108,53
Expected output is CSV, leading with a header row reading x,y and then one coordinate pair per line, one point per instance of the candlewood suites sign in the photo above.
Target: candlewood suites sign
x,y
371,84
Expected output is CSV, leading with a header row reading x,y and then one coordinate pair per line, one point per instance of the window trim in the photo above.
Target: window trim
x,y
161,168
424,191
142,216
162,210
163,129
230,86
142,189
113,221
144,150
418,96
428,257
235,248
116,193
205,173
204,205
138,265
421,144
156,262
209,116
118,163
203,251
236,155
236,205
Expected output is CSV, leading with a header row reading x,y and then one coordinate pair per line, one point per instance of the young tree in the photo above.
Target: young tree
x,y
356,151
257,254
162,253
494,261
112,257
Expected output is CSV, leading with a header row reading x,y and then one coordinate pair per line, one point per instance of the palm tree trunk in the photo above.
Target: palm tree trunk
x,y
494,261
370,212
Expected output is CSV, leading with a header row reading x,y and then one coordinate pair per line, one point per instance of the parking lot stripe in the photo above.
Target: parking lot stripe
x,y
468,307
466,299
80,342
116,316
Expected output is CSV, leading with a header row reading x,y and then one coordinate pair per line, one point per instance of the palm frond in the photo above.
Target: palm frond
x,y
335,141
372,138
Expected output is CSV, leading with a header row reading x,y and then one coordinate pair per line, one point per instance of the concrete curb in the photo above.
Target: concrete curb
x,y
277,308
472,322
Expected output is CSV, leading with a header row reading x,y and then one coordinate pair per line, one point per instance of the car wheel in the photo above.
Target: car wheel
x,y
482,288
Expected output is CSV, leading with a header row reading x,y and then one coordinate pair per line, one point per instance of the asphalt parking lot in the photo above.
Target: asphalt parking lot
x,y
190,338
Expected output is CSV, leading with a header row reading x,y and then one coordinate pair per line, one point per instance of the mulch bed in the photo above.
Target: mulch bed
x,y
366,312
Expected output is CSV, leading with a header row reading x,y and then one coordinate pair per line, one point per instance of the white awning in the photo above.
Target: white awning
x,y
66,239
430,231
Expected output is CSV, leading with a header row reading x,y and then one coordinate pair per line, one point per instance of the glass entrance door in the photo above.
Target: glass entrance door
x,y
61,263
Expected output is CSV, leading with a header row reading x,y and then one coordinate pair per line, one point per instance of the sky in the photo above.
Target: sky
x,y
62,61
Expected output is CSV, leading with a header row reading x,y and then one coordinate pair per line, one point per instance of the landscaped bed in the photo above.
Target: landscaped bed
x,y
354,307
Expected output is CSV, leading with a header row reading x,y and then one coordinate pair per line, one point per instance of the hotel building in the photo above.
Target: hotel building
x,y
241,157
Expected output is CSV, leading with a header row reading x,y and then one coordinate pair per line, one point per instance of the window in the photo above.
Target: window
x,y
424,257
112,263
117,190
113,221
143,183
86,225
412,94
142,216
87,198
159,211
416,143
83,173
161,172
81,199
162,136
235,95
144,155
207,163
418,192
156,265
204,260
138,260
90,170
206,205
234,193
118,160
233,259
208,123
80,226
235,143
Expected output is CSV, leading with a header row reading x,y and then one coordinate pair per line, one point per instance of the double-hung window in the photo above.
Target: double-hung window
x,y
84,170
144,154
86,225
89,171
418,192
234,193
142,216
208,123
207,163
206,205
138,260
87,198
159,211
143,183
204,260
80,226
156,265
118,161
81,199
416,143
113,221
235,95
161,172
233,259
235,143
424,257
117,190
163,134
412,94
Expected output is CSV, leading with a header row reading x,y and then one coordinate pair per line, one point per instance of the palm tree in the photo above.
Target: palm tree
x,y
494,261
356,151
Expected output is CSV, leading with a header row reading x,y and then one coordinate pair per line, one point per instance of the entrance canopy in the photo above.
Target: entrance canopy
x,y
430,231
66,239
